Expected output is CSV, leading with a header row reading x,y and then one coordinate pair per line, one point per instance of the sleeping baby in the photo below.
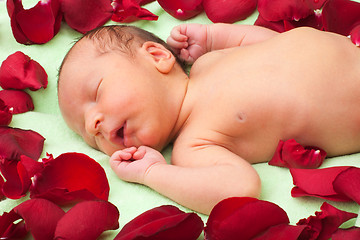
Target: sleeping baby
x,y
127,94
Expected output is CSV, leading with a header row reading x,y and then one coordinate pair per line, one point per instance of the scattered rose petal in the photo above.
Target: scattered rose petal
x,y
18,101
291,154
65,179
347,183
324,223
129,11
341,16
41,217
245,217
17,179
10,230
87,220
281,231
229,11
35,25
1,192
144,2
352,233
19,71
273,25
5,114
85,15
182,9
317,183
277,10
355,35
162,223
15,142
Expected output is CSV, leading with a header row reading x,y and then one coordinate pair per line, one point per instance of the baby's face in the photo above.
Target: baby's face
x,y
110,100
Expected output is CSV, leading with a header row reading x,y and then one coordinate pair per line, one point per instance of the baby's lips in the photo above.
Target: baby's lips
x,y
182,9
36,25
229,11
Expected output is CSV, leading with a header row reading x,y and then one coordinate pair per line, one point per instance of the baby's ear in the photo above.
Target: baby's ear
x,y
163,59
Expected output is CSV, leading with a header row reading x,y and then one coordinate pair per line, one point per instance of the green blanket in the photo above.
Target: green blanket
x,y
133,199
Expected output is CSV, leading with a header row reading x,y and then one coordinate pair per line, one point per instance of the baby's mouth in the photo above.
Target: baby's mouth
x,y
120,132
118,136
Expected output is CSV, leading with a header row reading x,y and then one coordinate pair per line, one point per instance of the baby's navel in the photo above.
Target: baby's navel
x,y
241,117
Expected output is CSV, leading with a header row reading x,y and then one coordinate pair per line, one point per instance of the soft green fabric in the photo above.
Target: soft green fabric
x,y
132,199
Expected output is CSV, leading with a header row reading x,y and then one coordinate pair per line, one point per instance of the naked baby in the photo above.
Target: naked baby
x,y
124,91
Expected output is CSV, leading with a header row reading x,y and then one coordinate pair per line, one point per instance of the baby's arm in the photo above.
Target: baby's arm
x,y
190,41
208,176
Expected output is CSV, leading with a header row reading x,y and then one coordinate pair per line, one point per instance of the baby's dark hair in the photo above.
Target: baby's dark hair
x,y
121,37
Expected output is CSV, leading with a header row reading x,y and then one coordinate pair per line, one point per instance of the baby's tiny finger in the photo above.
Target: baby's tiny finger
x,y
140,153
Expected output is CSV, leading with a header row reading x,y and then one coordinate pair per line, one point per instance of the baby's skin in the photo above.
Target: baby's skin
x,y
248,88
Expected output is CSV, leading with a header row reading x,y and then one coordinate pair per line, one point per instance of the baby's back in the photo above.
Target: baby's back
x,y
303,84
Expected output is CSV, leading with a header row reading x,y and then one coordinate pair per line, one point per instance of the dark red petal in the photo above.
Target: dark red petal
x,y
38,23
355,35
17,179
41,217
249,219
10,230
324,223
341,16
291,154
87,220
276,26
317,183
32,167
65,180
85,15
229,11
348,183
15,142
162,223
13,8
143,2
352,233
5,114
1,191
281,231
182,9
129,10
18,101
277,10
19,71
315,4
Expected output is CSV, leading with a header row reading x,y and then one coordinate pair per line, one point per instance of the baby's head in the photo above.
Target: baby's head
x,y
121,86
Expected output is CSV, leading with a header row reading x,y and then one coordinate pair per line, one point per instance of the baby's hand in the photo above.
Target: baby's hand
x,y
189,41
132,164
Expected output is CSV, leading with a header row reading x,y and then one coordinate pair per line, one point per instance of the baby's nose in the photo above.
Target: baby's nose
x,y
93,124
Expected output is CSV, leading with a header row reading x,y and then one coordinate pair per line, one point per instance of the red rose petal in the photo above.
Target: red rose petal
x,y
87,220
348,183
17,179
229,11
19,71
277,10
317,183
281,231
85,15
162,223
315,4
71,177
1,191
41,217
273,25
18,101
352,233
35,25
182,9
324,223
341,16
5,114
15,142
245,217
291,154
129,10
355,35
10,230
